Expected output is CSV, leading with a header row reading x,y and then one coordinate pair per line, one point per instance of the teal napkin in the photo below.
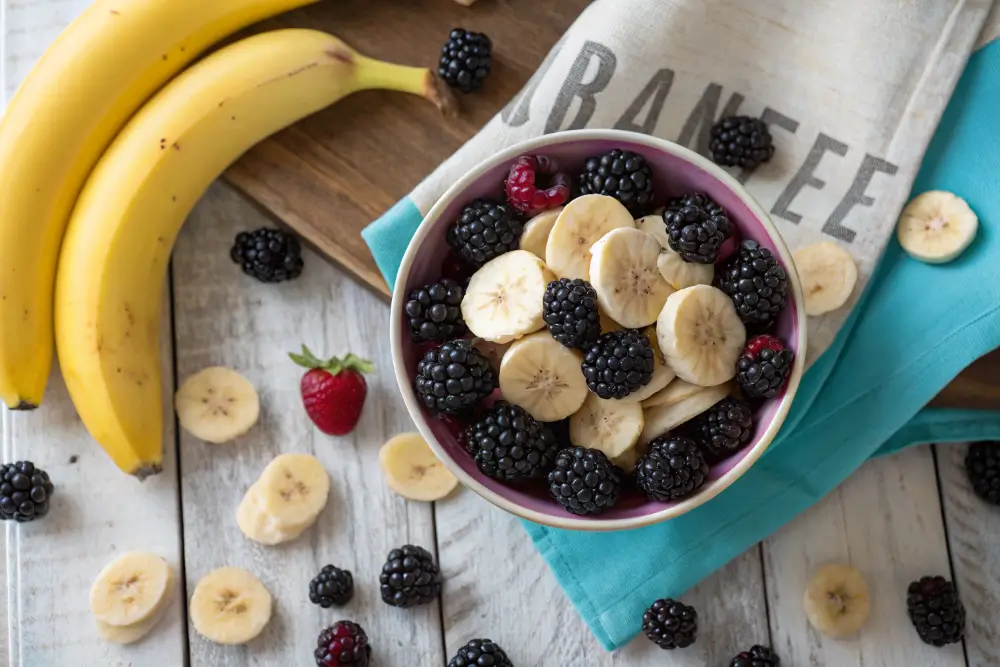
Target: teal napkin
x,y
916,327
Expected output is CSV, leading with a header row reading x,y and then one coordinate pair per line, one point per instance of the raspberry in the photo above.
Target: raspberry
x,y
343,644
531,195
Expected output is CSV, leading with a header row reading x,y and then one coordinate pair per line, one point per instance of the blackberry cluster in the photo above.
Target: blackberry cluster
x,y
757,656
332,586
24,492
756,283
480,653
670,624
619,363
584,481
623,175
672,468
763,367
410,577
269,255
741,141
725,427
434,312
343,644
696,227
485,230
935,610
510,445
454,377
569,309
466,60
982,463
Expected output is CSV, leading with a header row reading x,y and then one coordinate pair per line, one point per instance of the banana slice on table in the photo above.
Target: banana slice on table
x,y
130,589
663,375
611,426
543,377
673,268
837,601
581,224
230,606
129,634
936,227
828,275
661,419
294,489
701,335
675,392
624,273
536,232
504,298
217,405
413,471
260,526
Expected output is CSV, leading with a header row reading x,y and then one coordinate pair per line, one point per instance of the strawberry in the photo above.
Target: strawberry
x,y
333,391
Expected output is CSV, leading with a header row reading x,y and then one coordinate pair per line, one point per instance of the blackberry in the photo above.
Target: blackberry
x,y
619,363
757,656
485,230
741,141
510,445
584,481
466,60
756,283
410,577
670,624
569,308
435,313
763,367
696,227
623,175
24,492
343,644
453,377
332,586
480,653
982,463
724,428
672,468
936,611
269,255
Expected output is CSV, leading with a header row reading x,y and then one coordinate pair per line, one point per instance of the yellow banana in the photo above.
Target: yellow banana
x,y
66,112
115,253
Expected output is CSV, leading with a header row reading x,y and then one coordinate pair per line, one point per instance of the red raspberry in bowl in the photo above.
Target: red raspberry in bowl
x,y
535,184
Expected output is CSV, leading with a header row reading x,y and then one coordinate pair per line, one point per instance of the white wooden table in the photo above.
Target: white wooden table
x,y
896,519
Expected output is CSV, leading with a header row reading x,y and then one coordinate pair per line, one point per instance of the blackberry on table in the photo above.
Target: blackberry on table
x,y
619,363
569,308
757,656
584,481
343,644
982,463
510,445
485,230
763,367
741,141
435,313
624,175
268,255
670,624
696,227
24,492
410,577
725,427
454,377
332,586
757,284
480,653
672,468
937,613
466,60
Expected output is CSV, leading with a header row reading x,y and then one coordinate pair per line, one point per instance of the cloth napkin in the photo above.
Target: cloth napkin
x,y
912,331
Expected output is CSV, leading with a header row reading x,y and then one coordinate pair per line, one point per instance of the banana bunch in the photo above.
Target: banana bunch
x,y
95,188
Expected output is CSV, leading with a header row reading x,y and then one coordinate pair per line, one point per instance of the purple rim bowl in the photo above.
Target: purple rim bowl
x,y
676,170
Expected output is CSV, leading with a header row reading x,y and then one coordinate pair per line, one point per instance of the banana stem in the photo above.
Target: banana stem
x,y
416,80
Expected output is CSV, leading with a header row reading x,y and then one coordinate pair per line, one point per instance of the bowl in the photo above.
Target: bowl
x,y
677,170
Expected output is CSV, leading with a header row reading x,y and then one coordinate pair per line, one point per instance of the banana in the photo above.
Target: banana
x,y
411,469
661,419
536,232
217,405
503,301
611,426
936,227
543,377
624,274
837,601
130,589
663,375
260,526
294,489
701,335
675,392
673,268
129,634
230,606
581,224
828,275
114,257
71,105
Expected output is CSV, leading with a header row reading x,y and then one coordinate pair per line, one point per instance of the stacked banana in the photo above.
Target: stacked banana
x,y
89,171
130,596
285,501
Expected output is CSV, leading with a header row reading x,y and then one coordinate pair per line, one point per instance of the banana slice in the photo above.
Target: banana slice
x,y
536,232
543,377
936,227
663,418
611,426
581,224
412,470
828,275
261,527
294,489
701,335
230,606
129,634
836,600
672,267
624,274
504,298
129,589
607,324
655,227
217,405
675,392
662,374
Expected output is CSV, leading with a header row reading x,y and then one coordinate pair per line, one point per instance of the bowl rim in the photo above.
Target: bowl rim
x,y
595,524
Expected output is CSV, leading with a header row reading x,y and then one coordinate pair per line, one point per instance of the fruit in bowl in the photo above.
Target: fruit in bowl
x,y
647,325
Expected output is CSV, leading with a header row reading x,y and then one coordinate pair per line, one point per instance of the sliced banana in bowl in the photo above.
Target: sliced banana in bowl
x,y
503,301
536,232
230,606
675,392
543,377
673,268
663,375
624,273
611,426
661,419
581,224
701,335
